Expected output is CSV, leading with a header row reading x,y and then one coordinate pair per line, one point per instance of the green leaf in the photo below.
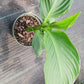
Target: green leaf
x,y
66,23
38,43
51,9
62,63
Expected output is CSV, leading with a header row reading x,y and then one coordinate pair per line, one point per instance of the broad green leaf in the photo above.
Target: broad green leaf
x,y
38,43
51,9
62,63
65,23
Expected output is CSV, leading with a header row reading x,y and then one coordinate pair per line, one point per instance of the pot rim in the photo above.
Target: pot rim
x,y
25,14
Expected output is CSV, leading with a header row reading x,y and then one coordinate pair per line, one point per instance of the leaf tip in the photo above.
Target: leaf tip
x,y
79,13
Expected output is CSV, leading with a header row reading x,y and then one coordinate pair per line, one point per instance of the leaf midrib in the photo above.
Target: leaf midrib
x,y
55,50
49,13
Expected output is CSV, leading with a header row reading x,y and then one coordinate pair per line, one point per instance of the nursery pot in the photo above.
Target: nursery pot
x,y
24,21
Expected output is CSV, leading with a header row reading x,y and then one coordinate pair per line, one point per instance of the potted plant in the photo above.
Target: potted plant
x,y
22,36
62,64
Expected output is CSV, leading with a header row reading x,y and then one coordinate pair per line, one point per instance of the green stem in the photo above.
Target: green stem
x,y
33,28
39,27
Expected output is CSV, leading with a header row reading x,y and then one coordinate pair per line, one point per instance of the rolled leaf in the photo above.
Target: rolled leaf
x,y
62,63
38,43
51,9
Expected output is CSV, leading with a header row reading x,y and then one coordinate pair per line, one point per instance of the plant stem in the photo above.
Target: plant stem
x,y
33,28
39,27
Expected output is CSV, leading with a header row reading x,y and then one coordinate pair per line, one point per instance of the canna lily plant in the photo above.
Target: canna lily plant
x,y
62,64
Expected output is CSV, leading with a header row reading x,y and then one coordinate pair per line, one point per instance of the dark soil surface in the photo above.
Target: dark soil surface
x,y
25,37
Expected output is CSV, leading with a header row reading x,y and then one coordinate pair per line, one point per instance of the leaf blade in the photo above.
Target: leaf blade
x,y
51,9
62,60
38,43
65,23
